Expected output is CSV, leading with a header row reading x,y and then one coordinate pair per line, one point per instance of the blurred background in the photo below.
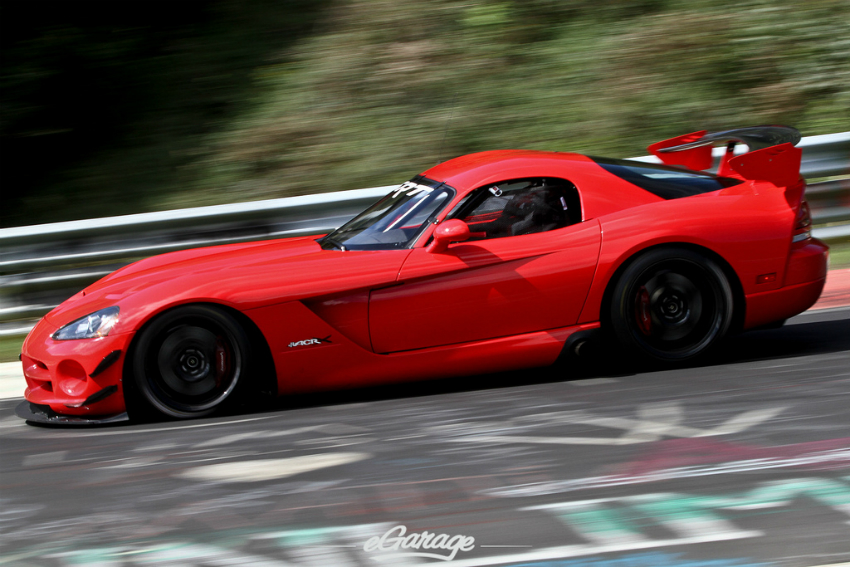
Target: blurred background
x,y
111,108
117,108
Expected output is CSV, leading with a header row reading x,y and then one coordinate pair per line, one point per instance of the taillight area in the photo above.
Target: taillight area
x,y
803,223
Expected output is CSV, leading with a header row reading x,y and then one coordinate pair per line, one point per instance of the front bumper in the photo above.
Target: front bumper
x,y
74,378
36,413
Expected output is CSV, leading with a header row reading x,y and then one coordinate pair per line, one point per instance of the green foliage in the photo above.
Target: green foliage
x,y
10,348
371,93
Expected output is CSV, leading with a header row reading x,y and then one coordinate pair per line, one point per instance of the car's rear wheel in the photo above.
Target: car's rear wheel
x,y
190,362
671,305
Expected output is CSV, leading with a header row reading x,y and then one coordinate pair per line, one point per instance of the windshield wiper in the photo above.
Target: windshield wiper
x,y
335,243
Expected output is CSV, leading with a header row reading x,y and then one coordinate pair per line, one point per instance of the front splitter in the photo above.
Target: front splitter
x,y
43,415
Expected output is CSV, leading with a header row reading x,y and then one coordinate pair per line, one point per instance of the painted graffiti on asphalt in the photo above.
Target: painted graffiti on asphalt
x,y
814,460
614,522
614,525
653,422
653,559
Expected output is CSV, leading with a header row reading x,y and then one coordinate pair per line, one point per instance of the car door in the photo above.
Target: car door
x,y
506,282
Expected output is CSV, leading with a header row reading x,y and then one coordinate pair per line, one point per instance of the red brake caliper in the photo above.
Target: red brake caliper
x,y
642,313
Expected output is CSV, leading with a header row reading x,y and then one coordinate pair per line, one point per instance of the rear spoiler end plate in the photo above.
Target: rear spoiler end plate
x,y
772,156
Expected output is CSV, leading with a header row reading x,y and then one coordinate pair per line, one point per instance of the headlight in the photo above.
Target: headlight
x,y
97,324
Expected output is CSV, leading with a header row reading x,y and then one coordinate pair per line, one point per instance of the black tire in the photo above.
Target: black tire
x,y
671,305
189,362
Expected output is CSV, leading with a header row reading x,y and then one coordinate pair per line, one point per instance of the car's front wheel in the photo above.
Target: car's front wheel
x,y
671,305
189,362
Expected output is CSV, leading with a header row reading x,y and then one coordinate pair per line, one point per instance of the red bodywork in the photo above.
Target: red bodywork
x,y
477,307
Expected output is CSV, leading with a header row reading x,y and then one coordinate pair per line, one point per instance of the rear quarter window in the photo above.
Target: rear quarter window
x,y
663,181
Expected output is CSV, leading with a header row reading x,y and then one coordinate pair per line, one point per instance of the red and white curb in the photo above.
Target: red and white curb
x,y
836,292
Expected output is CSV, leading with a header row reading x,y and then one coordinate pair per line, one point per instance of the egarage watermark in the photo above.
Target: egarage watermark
x,y
396,543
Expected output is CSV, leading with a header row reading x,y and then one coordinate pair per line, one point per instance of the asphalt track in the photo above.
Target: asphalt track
x,y
740,462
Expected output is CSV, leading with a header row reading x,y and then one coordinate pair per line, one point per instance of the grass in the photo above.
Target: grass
x,y
10,348
839,256
272,99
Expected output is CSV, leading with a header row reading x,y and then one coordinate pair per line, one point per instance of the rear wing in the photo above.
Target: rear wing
x,y
772,156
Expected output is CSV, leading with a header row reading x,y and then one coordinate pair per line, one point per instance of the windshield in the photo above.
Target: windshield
x,y
395,221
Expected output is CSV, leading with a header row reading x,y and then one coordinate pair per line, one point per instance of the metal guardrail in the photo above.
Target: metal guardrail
x,y
41,265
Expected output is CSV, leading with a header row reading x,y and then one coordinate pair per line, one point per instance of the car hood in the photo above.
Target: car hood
x,y
244,276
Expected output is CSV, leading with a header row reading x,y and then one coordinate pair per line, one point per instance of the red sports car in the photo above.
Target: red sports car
x,y
488,262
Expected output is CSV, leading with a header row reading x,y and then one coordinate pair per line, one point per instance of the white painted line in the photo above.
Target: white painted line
x,y
131,430
579,550
593,382
328,428
656,421
545,440
42,459
836,456
269,469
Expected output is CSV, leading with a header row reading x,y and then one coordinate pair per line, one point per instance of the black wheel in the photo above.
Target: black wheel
x,y
190,362
671,305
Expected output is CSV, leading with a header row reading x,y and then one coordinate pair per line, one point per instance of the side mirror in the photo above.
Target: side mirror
x,y
454,230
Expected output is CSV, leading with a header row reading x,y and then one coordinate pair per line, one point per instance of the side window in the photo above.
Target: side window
x,y
521,206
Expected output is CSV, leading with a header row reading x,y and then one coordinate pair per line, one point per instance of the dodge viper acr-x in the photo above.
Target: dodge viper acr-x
x,y
487,262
